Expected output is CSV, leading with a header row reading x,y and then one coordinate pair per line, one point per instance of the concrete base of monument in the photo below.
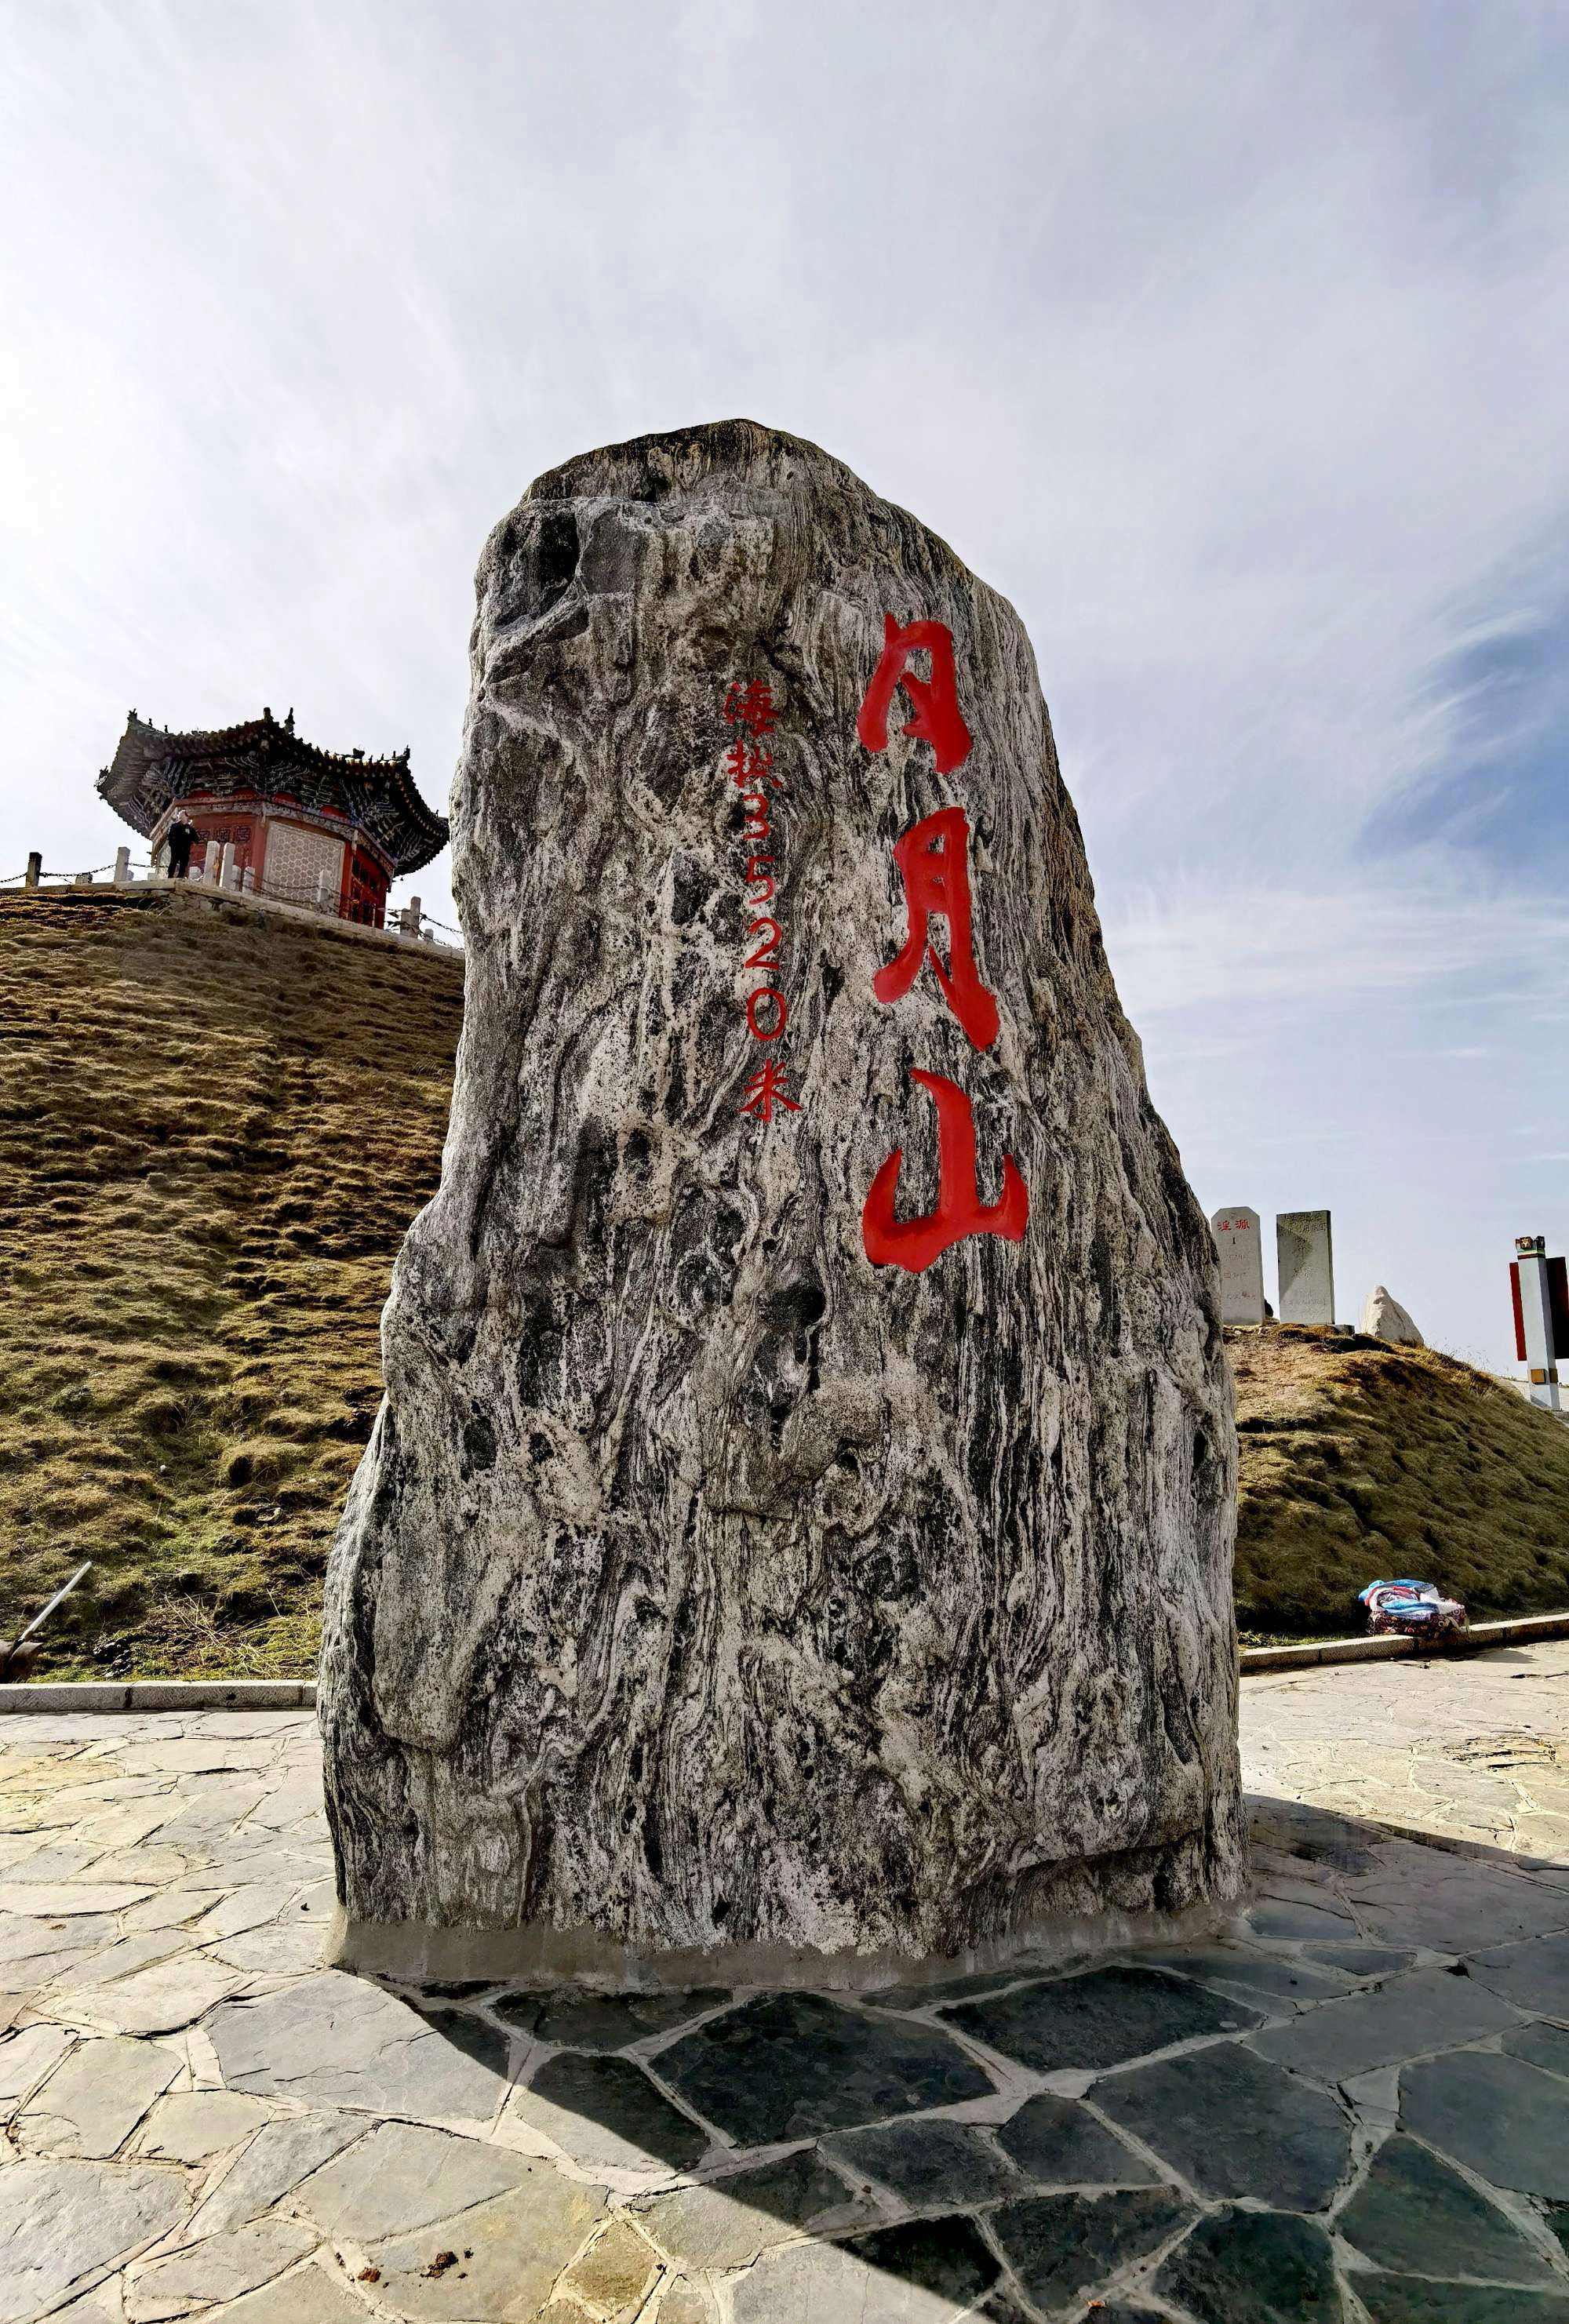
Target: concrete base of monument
x,y
423,1953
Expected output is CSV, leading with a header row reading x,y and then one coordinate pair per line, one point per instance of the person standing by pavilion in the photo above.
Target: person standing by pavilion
x,y
182,838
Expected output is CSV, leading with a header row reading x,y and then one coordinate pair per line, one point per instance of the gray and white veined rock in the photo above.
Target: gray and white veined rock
x,y
744,1577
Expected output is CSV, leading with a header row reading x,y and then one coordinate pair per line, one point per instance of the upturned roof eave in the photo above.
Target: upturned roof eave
x,y
143,746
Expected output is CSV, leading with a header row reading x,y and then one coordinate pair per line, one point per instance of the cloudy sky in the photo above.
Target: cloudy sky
x,y
1229,341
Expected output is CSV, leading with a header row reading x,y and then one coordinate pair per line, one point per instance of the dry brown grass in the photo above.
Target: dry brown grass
x,y
214,1131
1361,1463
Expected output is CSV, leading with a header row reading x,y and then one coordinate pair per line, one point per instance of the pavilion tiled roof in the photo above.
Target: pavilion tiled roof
x,y
152,767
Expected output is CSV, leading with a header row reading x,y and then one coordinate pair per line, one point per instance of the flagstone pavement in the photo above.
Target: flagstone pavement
x,y
1354,2108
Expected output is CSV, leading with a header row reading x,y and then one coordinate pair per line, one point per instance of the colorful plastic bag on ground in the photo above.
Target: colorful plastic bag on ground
x,y
1412,1609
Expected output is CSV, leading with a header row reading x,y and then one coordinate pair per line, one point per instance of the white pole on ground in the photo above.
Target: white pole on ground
x,y
1536,1320
122,867
59,1599
228,875
249,881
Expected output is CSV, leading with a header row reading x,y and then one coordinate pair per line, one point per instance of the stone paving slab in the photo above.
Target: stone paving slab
x,y
1353,2104
1475,1750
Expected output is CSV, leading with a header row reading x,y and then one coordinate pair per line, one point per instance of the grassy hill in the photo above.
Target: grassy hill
x,y
215,1129
1362,1461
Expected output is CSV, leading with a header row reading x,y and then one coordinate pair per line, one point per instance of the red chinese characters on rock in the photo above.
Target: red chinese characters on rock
x,y
749,763
751,706
914,1243
933,860
765,1089
937,718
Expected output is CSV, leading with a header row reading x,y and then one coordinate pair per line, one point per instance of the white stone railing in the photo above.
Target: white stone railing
x,y
219,873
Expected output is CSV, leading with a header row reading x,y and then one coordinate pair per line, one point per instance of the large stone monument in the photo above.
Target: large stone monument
x,y
797,1534
1304,1256
1241,1255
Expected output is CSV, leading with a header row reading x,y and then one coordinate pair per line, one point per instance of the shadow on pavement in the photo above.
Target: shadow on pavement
x,y
1365,2081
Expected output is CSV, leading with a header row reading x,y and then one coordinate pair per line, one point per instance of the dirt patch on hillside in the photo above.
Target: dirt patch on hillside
x,y
1362,1461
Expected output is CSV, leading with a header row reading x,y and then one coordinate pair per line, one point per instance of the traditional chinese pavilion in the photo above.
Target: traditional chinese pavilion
x,y
307,825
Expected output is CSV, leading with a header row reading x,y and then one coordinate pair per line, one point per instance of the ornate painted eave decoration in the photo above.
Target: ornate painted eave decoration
x,y
152,767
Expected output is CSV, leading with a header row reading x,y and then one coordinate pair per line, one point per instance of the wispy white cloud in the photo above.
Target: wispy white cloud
x,y
1197,942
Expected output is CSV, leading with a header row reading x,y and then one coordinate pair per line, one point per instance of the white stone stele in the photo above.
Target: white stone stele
x,y
1541,1381
1241,1255
1306,1263
1384,1318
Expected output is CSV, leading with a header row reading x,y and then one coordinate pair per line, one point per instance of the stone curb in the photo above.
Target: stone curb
x,y
1523,1631
160,1695
300,1693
